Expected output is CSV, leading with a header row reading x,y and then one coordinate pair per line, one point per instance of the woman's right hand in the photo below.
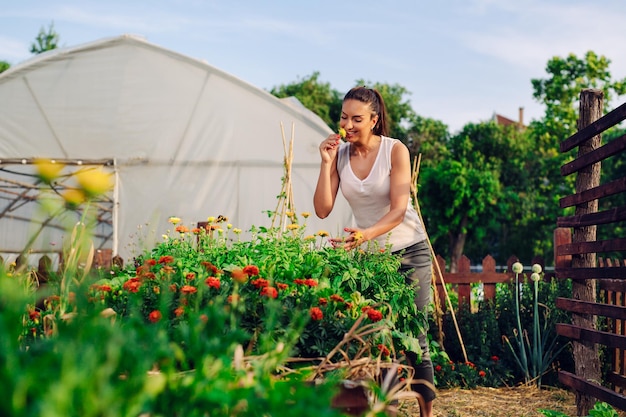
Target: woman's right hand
x,y
329,147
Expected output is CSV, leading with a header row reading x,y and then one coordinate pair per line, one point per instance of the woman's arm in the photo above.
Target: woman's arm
x,y
328,179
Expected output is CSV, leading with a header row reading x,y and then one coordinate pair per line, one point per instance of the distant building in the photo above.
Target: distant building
x,y
505,121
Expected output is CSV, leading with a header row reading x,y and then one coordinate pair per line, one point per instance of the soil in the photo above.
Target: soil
x,y
522,401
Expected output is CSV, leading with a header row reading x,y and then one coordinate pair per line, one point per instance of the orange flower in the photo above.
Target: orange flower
x,y
182,229
316,313
239,276
190,276
323,301
179,311
155,316
167,259
270,292
188,289
282,286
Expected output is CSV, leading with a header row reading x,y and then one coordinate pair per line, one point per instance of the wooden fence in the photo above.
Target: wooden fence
x,y
576,258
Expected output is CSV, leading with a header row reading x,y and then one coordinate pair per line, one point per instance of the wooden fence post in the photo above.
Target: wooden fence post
x,y
464,290
489,288
586,359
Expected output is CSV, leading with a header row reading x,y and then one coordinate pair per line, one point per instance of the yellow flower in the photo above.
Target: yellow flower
x,y
94,181
305,214
229,226
358,236
323,233
309,238
290,213
74,198
48,170
292,226
210,219
342,132
236,231
174,220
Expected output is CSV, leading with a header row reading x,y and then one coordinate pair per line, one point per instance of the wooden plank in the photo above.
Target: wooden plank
x,y
587,307
616,379
579,333
595,390
613,147
615,285
601,217
608,120
591,273
603,190
476,277
599,246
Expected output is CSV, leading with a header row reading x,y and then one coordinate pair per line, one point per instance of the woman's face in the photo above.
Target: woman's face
x,y
356,119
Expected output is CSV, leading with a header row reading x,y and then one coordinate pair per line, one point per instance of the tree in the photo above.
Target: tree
x,y
560,92
45,40
4,66
473,189
316,96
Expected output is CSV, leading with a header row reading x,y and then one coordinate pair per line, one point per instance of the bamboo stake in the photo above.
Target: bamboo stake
x,y
432,251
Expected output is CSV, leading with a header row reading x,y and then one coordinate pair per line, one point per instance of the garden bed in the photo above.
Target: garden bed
x,y
521,401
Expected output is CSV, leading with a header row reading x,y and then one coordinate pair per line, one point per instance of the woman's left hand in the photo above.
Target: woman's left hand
x,y
352,241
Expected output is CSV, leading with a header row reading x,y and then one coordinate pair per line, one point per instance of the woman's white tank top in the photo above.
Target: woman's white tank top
x,y
369,198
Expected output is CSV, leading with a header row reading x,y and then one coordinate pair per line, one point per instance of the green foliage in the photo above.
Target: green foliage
x,y
46,40
4,66
600,409
316,96
482,331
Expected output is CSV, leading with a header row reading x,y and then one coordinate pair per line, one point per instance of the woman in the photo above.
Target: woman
x,y
374,173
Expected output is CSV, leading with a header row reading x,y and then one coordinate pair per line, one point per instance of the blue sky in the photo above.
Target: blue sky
x,y
462,60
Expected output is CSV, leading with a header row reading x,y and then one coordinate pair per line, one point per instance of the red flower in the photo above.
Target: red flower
x,y
482,374
384,350
190,276
260,282
210,267
270,292
105,288
323,301
150,275
34,314
309,282
374,315
298,281
166,259
282,286
251,270
188,289
150,262
495,358
316,313
213,282
155,316
438,368
132,285
179,311
336,298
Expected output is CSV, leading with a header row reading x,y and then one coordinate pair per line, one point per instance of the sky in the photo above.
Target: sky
x,y
460,60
